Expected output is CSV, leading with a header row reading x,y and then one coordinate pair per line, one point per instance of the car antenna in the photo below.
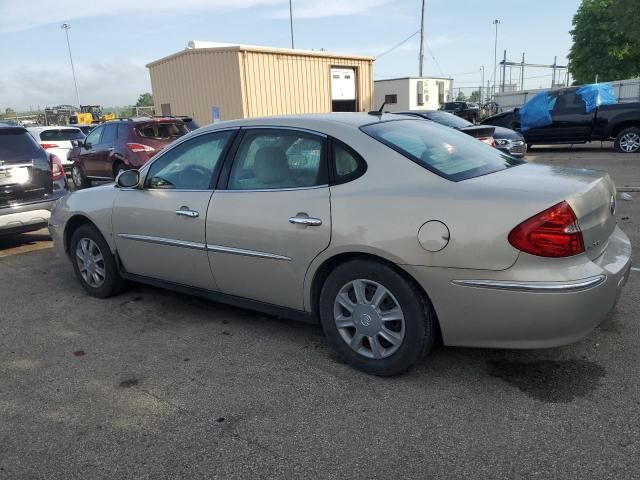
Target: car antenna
x,y
378,113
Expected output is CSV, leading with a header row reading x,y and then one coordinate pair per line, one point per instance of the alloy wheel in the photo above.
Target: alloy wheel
x,y
76,175
90,262
630,142
369,319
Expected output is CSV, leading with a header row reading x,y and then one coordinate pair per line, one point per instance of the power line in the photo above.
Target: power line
x,y
434,58
398,45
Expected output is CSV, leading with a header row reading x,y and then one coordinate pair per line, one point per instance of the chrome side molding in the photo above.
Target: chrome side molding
x,y
246,253
541,287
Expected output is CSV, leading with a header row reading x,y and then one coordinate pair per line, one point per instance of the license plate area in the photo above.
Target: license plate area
x,y
15,175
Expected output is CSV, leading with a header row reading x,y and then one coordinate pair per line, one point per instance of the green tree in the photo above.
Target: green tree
x,y
461,97
475,96
145,100
606,41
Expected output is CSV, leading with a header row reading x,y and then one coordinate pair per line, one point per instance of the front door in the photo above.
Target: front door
x,y
272,216
571,123
159,228
89,151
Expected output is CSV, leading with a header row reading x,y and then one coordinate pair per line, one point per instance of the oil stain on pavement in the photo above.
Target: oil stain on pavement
x,y
550,381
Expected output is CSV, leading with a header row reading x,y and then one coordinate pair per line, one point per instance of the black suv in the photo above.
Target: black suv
x,y
31,180
465,110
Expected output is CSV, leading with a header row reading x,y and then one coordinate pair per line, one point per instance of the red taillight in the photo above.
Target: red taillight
x,y
552,233
488,140
57,171
138,147
49,145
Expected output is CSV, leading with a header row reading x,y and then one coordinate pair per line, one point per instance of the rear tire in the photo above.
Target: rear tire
x,y
94,264
80,180
628,140
385,327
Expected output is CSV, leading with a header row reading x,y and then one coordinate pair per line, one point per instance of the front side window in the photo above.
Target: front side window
x,y
272,159
94,137
446,152
190,165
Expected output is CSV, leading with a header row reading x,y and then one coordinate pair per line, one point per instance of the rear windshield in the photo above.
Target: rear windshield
x,y
17,144
61,135
162,131
448,119
442,150
453,105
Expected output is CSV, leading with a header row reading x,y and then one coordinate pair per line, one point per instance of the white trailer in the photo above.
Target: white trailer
x,y
412,93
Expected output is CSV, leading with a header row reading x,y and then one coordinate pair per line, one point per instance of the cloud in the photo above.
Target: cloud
x,y
111,83
20,15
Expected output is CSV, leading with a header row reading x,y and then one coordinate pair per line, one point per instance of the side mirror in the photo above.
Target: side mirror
x,y
86,145
128,179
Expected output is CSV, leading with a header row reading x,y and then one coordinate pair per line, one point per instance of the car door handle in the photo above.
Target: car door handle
x,y
304,219
185,212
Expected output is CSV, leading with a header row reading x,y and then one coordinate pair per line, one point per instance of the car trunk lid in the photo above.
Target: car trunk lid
x,y
590,193
479,131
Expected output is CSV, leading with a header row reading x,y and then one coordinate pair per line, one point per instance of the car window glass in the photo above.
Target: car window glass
x,y
190,165
109,134
440,149
123,130
94,137
271,160
63,134
161,131
16,144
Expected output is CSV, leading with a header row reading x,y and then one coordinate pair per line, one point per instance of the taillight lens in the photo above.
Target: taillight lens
x,y
552,233
57,171
488,140
49,145
138,147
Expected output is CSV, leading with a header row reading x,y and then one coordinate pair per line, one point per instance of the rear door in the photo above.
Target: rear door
x,y
570,122
272,217
159,229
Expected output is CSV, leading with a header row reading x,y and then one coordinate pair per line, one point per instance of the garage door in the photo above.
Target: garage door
x,y
343,84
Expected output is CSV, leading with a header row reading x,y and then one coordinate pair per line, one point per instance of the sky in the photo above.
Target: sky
x,y
112,40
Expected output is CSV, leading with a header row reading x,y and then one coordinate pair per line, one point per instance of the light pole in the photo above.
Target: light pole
x,y
291,22
496,22
66,27
421,41
482,84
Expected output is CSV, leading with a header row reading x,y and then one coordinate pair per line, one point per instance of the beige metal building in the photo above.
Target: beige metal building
x,y
242,81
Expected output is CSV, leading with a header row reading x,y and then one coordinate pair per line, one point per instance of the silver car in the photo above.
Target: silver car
x,y
389,231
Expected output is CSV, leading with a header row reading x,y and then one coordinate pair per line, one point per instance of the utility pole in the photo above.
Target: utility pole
x,y
66,27
522,73
504,69
291,22
421,41
482,84
496,22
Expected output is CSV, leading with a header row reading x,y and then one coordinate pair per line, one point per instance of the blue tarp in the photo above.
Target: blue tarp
x,y
535,113
597,94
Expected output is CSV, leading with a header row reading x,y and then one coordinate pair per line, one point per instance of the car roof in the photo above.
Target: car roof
x,y
311,121
13,127
51,127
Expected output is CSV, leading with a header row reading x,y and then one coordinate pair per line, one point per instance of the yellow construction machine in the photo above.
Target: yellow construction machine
x,y
90,114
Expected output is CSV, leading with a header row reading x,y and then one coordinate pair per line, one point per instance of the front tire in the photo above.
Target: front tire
x,y
94,264
628,140
377,320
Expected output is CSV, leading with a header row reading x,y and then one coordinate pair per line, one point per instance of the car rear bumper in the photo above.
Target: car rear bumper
x,y
504,310
27,217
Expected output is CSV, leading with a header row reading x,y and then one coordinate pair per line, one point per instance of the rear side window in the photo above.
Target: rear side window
x,y
123,131
63,134
348,165
162,131
18,145
442,150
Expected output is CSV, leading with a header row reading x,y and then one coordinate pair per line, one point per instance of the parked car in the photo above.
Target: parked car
x,y
120,145
387,230
504,139
31,180
571,123
461,109
57,140
85,128
482,133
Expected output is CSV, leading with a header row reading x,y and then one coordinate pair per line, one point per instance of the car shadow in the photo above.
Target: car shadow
x,y
23,241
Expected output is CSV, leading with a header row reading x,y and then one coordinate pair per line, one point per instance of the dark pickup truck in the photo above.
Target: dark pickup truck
x,y
465,110
571,123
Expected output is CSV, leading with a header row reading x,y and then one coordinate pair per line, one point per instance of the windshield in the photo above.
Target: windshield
x,y
450,154
448,119
452,106
65,134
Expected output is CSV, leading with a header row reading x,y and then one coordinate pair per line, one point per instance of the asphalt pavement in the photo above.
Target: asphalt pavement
x,y
153,384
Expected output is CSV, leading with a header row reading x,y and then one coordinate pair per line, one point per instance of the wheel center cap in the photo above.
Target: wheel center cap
x,y
365,319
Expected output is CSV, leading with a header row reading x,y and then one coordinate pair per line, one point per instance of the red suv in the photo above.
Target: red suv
x,y
120,145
